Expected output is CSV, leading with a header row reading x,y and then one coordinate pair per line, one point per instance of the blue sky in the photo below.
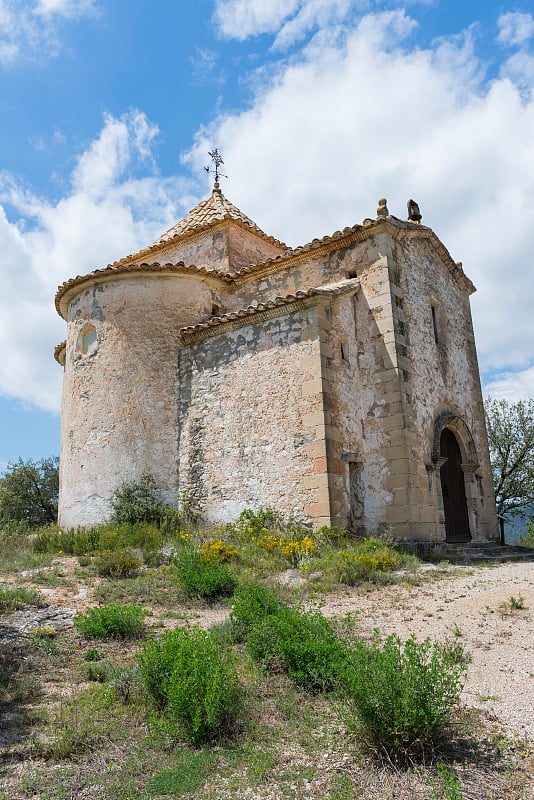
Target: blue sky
x,y
319,107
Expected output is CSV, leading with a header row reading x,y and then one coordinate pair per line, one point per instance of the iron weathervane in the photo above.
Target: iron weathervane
x,y
217,161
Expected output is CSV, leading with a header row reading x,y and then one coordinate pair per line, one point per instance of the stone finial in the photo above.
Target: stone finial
x,y
382,210
414,215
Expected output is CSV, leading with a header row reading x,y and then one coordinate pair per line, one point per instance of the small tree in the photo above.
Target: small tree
x,y
511,442
138,501
29,491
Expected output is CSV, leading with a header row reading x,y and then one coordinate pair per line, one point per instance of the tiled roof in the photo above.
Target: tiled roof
x,y
214,209
144,268
328,290
209,212
59,353
345,237
358,233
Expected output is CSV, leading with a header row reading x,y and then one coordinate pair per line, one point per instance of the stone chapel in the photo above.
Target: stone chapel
x,y
336,382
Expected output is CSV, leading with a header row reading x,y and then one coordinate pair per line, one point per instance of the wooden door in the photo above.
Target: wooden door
x,y
453,490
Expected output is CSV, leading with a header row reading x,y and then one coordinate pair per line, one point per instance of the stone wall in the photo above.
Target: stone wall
x,y
251,422
444,377
226,247
119,402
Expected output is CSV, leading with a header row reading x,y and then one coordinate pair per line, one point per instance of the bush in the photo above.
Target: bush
x,y
81,541
364,560
194,681
219,551
12,599
96,671
304,644
112,621
73,541
400,694
252,604
156,662
118,563
138,501
253,524
208,579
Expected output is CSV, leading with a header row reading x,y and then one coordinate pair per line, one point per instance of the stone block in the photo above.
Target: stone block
x,y
317,510
316,449
320,465
312,387
313,419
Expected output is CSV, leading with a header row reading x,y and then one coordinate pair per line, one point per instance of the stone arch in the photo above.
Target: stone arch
x,y
462,433
458,513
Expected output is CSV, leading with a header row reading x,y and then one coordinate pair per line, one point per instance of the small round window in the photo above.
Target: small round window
x,y
88,341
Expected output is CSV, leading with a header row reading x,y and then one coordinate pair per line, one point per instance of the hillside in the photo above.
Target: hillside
x,y
67,735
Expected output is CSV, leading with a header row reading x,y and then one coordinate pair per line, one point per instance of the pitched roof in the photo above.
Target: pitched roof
x,y
210,211
331,290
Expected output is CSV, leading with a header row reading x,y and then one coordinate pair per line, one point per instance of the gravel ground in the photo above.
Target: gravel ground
x,y
471,606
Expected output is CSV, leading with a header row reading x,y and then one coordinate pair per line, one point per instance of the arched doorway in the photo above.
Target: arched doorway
x,y
453,489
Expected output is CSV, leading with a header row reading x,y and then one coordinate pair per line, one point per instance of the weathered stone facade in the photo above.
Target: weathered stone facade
x,y
337,382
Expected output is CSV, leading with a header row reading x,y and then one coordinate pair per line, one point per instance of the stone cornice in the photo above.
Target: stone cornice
x,y
260,312
60,351
396,228
71,288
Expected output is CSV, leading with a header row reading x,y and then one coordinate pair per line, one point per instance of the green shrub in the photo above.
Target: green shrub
x,y
366,559
198,690
138,501
123,680
80,541
400,694
156,662
304,644
252,603
92,654
111,621
12,599
97,671
76,542
118,563
208,579
251,525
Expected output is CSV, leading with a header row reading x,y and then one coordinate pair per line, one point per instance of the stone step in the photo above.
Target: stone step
x,y
477,552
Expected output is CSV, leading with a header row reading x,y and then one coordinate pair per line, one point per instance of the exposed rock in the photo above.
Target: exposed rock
x,y
28,619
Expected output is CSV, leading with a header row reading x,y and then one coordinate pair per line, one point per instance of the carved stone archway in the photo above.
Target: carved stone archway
x,y
454,456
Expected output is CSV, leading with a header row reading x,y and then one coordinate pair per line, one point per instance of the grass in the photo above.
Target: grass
x,y
13,598
113,621
96,734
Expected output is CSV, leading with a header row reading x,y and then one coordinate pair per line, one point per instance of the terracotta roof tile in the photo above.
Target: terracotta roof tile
x,y
145,267
328,290
209,212
214,209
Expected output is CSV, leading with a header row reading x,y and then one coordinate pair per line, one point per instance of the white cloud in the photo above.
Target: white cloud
x,y
511,386
290,20
239,19
65,8
109,212
367,115
520,69
515,28
28,28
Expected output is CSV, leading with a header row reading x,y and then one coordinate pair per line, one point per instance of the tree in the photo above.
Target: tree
x,y
29,491
511,442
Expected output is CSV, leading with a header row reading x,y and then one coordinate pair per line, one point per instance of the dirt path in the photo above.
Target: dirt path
x,y
472,607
